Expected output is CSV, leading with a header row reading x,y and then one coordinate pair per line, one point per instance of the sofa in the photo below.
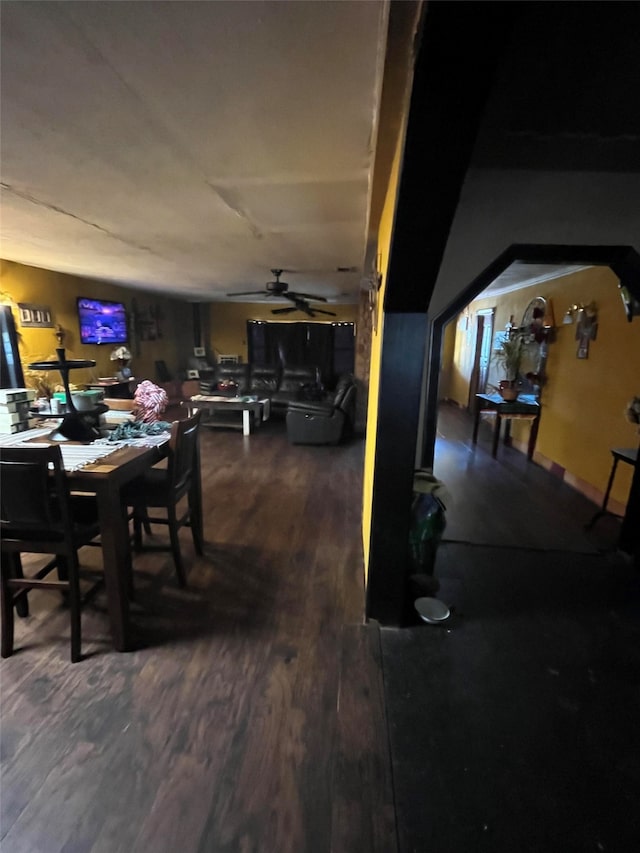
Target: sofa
x,y
326,421
282,385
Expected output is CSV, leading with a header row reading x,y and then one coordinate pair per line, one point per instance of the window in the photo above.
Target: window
x,y
328,346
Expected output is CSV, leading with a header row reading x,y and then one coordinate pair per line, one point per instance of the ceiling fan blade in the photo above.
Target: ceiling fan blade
x,y
248,293
308,296
321,311
284,310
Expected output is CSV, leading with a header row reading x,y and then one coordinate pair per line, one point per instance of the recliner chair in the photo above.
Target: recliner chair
x,y
323,421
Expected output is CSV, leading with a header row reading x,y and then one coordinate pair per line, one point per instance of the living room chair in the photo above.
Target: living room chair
x,y
165,488
323,421
40,516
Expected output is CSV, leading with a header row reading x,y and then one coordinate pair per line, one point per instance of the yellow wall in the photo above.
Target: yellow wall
x,y
228,323
58,291
384,246
583,399
456,349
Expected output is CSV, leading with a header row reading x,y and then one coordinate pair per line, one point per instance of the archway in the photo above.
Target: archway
x,y
624,261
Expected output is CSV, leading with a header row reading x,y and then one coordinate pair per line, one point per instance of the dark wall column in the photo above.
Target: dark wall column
x,y
446,106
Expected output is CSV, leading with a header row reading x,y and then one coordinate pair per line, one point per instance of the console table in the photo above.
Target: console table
x,y
525,407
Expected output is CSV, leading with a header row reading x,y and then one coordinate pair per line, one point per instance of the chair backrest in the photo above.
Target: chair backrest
x,y
347,402
34,494
264,379
293,378
183,453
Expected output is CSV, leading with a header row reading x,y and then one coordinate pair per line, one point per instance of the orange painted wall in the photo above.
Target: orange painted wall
x,y
58,291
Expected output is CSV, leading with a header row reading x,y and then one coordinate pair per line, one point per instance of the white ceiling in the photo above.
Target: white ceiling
x,y
189,147
520,274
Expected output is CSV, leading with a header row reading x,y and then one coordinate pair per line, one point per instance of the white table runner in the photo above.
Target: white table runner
x,y
76,456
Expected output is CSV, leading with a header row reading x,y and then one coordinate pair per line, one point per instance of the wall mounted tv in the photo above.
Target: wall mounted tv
x,y
102,322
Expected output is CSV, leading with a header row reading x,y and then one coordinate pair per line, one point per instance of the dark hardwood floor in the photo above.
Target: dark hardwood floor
x,y
259,710
514,724
251,716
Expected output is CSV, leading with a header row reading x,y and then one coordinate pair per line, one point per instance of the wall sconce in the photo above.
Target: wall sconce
x,y
573,313
60,334
586,319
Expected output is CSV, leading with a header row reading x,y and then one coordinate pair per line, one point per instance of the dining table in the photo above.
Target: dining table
x,y
103,469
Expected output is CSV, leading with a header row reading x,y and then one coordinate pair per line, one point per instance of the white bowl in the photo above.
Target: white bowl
x,y
84,401
432,609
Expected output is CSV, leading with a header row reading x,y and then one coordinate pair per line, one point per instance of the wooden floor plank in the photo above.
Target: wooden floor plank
x,y
219,733
363,814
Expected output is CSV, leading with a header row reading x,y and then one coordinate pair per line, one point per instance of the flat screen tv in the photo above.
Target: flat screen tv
x,y
102,322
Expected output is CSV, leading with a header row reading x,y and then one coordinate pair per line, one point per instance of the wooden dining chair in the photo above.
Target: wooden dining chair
x,y
38,515
169,488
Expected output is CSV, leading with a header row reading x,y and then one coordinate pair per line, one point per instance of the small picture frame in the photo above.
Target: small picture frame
x,y
193,374
35,316
198,352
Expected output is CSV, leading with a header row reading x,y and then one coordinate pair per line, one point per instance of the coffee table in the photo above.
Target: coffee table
x,y
214,405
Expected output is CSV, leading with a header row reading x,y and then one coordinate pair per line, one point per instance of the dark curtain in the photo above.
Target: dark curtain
x,y
328,346
320,349
286,344
344,348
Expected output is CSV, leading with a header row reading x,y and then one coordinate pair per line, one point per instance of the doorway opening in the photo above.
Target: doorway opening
x,y
575,439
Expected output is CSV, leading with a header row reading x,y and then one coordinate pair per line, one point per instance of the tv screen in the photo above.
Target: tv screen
x,y
102,322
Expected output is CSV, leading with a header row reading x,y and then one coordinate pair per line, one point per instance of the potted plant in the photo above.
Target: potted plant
x,y
509,357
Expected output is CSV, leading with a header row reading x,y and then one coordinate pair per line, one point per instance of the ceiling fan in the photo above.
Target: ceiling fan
x,y
281,289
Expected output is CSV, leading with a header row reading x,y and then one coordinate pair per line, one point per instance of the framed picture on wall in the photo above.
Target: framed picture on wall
x,y
35,316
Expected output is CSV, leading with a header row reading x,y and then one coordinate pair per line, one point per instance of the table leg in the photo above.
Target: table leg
x,y
603,509
246,422
533,437
476,424
114,534
507,433
257,415
496,435
629,541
